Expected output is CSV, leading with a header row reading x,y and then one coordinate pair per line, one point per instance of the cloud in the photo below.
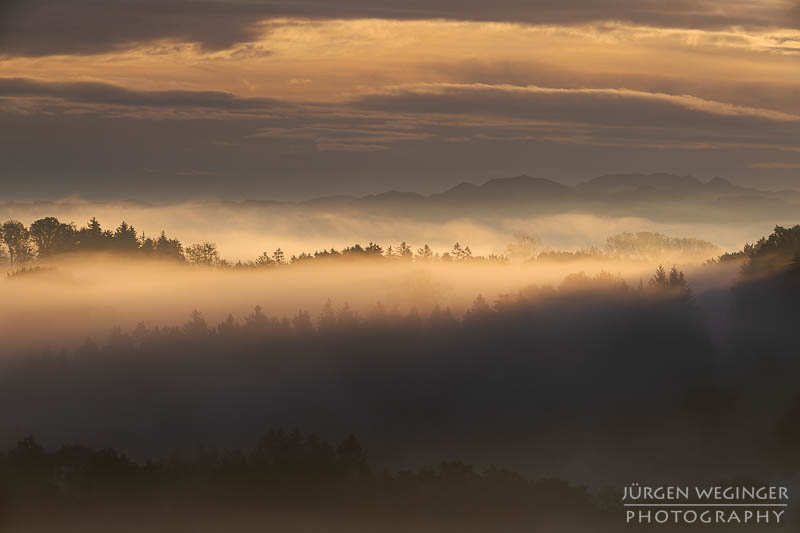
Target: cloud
x,y
105,93
776,165
350,147
609,106
592,117
48,27
414,113
368,142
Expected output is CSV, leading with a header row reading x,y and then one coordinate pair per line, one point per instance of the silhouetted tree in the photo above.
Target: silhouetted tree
x,y
479,307
352,456
92,238
264,259
147,246
461,254
17,239
168,248
125,239
676,279
196,327
775,252
203,254
659,279
404,251
523,248
425,253
53,237
645,244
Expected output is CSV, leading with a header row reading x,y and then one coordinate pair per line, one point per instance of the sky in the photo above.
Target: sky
x,y
158,100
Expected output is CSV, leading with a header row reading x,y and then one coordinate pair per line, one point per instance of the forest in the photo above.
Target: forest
x,y
510,390
287,480
47,239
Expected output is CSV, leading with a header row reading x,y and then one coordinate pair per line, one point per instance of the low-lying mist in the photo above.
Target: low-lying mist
x,y
242,231
87,295
84,285
545,359
579,380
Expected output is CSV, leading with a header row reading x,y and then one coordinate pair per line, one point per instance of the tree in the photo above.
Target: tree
x,y
676,278
523,248
147,245
356,249
659,279
278,257
480,308
677,282
52,237
169,248
302,324
196,327
404,251
28,452
17,239
425,253
264,259
461,254
125,239
93,238
352,456
673,282
327,317
203,254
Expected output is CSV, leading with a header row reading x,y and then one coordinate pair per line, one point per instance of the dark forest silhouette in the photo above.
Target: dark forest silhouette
x,y
48,238
506,371
633,370
292,474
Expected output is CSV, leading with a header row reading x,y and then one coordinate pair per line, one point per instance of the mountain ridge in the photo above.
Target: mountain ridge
x,y
655,196
606,184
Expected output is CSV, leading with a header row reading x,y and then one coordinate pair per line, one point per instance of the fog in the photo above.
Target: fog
x,y
544,375
86,296
242,231
578,364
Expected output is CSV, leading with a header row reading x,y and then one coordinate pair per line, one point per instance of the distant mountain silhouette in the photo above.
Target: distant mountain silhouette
x,y
667,183
393,197
657,195
507,190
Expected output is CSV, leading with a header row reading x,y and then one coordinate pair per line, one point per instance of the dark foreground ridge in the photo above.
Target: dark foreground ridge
x,y
288,481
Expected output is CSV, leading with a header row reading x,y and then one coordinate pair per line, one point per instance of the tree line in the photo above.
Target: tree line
x,y
285,473
47,238
488,369
778,250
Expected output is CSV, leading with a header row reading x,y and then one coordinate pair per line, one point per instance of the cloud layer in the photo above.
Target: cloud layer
x,y
299,99
44,27
198,137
